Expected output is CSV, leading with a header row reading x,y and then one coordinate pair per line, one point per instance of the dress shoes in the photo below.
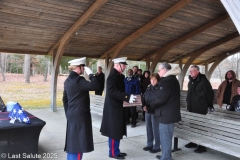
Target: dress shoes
x,y
147,148
200,149
158,156
117,157
154,150
191,145
123,154
133,125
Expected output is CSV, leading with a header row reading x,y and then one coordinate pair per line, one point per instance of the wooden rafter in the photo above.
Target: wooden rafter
x,y
162,51
148,26
79,23
228,53
210,46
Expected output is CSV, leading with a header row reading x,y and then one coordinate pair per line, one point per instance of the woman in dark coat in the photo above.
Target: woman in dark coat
x,y
76,101
113,121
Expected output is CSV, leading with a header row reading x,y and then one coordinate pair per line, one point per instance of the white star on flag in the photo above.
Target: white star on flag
x,y
25,119
20,111
14,111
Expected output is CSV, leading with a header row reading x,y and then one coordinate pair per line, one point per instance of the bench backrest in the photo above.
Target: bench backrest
x,y
183,97
224,129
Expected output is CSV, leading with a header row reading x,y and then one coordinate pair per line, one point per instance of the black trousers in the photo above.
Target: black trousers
x,y
131,112
98,93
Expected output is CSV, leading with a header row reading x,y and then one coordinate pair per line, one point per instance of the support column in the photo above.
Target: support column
x,y
53,84
206,71
180,63
148,63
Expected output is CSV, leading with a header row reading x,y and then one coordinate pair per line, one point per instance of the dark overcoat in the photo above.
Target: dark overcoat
x,y
113,121
166,101
76,101
200,94
101,80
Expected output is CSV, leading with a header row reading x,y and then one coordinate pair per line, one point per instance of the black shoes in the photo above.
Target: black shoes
x,y
147,148
123,154
158,156
191,145
200,149
133,125
154,150
120,156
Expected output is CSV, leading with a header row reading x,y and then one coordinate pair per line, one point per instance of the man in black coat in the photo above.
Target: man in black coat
x,y
113,121
167,106
76,101
101,80
199,98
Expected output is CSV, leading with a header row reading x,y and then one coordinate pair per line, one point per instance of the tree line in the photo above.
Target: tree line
x,y
29,65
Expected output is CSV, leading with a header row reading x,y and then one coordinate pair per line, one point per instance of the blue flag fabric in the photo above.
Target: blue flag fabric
x,y
18,113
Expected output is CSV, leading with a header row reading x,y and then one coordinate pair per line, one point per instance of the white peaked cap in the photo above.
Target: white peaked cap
x,y
120,60
77,62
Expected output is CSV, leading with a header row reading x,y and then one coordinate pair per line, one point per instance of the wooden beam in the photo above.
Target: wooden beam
x,y
23,52
62,43
180,4
79,23
210,46
162,51
228,53
200,51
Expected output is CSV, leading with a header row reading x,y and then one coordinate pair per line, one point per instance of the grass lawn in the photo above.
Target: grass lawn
x,y
36,94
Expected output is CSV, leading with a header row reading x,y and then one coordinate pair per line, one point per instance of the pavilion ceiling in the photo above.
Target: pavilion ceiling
x,y
161,30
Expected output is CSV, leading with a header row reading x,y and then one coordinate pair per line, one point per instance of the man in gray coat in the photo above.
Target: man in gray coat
x,y
167,106
76,101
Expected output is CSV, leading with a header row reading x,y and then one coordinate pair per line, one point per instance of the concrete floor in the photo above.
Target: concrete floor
x,y
52,139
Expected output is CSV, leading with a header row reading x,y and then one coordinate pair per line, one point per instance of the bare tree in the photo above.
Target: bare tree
x,y
2,65
27,59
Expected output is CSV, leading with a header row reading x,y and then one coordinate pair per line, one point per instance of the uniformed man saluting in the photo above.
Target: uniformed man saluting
x,y
76,101
113,122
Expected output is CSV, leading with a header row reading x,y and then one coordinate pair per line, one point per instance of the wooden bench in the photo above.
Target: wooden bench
x,y
219,130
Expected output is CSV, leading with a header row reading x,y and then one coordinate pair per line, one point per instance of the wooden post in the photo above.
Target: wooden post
x,y
147,63
53,83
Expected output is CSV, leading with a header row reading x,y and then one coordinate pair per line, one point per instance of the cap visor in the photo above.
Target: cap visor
x,y
124,63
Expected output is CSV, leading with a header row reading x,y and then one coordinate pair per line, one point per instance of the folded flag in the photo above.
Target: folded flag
x,y
17,113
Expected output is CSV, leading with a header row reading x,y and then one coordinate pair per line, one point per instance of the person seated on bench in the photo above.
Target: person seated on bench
x,y
152,125
227,89
235,104
199,97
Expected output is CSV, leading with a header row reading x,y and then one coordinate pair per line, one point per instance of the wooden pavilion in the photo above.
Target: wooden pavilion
x,y
177,31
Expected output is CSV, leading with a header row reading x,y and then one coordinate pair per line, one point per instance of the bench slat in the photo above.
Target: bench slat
x,y
224,147
203,131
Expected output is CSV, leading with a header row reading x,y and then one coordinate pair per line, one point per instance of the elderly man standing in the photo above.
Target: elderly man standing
x,y
76,102
199,98
227,89
113,122
167,106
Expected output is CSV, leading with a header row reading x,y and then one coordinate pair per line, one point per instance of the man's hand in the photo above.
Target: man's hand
x,y
88,70
132,98
145,108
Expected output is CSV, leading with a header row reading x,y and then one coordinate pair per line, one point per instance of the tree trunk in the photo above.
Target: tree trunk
x,y
2,65
220,74
46,70
27,68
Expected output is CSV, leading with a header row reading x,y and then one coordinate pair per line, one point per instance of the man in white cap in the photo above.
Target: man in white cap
x,y
76,101
113,121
